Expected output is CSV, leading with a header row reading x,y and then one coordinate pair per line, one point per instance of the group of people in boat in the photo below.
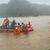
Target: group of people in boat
x,y
13,25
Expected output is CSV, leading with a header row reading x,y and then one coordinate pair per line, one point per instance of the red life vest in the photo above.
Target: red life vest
x,y
19,29
19,25
27,25
28,29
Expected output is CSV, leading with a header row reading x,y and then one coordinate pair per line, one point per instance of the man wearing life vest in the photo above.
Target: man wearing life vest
x,y
18,28
28,25
19,25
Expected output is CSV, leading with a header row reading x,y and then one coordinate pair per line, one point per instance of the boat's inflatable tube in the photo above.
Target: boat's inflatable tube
x,y
18,29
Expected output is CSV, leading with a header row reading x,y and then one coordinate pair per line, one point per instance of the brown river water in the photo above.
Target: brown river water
x,y
39,39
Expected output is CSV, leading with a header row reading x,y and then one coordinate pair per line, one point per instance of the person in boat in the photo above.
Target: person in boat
x,y
23,26
6,23
28,25
18,28
13,24
19,25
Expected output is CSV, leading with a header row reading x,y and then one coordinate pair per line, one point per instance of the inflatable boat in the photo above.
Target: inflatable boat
x,y
17,29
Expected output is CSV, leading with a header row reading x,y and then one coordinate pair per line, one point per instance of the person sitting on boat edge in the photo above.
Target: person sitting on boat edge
x,y
23,26
19,25
19,28
13,24
28,25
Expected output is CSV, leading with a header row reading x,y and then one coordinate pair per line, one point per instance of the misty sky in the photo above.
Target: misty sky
x,y
41,1
4,1
32,1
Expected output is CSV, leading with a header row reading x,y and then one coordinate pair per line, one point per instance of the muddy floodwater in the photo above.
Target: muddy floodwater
x,y
39,39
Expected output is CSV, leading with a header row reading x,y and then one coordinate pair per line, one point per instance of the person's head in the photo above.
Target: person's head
x,y
22,23
6,17
28,22
13,20
18,23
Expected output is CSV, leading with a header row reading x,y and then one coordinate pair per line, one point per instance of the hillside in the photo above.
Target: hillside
x,y
23,8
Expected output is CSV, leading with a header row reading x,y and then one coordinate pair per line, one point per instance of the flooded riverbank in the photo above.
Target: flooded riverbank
x,y
39,39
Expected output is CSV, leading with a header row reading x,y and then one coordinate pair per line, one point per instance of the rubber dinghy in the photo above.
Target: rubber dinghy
x,y
16,30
